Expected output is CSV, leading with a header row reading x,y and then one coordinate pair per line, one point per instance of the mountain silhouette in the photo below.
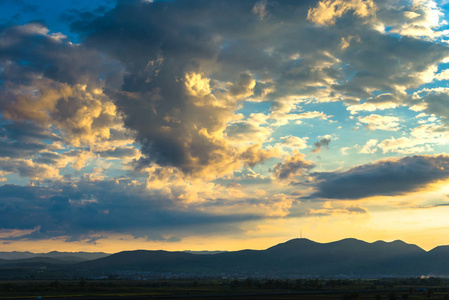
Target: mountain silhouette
x,y
64,256
300,257
141,260
297,257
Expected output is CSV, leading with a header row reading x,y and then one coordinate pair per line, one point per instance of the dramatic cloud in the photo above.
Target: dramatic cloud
x,y
292,165
191,95
168,100
77,211
52,82
328,11
383,178
324,142
174,119
433,101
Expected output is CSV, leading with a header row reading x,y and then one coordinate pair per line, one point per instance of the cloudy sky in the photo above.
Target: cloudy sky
x,y
194,124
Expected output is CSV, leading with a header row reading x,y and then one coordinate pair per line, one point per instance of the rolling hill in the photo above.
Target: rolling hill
x,y
297,257
300,257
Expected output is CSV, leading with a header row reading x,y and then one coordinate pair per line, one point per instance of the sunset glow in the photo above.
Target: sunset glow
x,y
222,125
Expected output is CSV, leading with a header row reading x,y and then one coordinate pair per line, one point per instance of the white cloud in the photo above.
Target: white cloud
x,y
369,147
379,122
421,139
294,142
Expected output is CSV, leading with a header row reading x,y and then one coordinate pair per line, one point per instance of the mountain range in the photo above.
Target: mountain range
x,y
297,257
70,256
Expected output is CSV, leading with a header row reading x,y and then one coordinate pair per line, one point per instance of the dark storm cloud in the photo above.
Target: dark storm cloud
x,y
23,140
28,168
31,50
48,158
75,211
177,72
383,178
160,43
383,62
17,202
50,84
13,149
119,152
324,142
436,101
27,132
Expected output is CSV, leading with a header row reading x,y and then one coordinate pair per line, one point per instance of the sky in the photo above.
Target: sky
x,y
222,125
